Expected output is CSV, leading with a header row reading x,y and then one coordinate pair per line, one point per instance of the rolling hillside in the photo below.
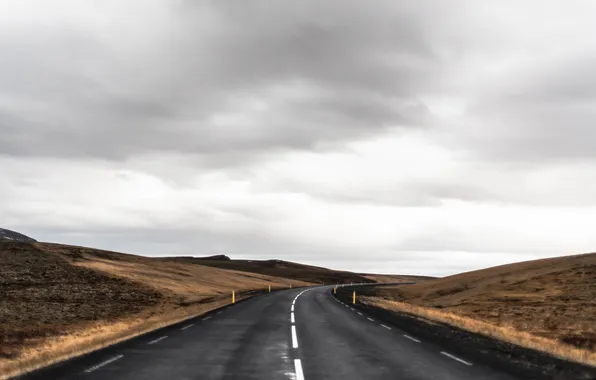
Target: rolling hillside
x,y
552,298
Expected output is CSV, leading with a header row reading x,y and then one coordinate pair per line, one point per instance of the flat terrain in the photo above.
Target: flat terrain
x,y
552,298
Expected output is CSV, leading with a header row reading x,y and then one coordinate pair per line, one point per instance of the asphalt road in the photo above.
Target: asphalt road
x,y
291,334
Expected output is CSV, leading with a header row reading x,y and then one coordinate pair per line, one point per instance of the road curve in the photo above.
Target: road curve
x,y
292,334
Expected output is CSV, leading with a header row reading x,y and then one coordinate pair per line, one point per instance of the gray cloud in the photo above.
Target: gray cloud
x,y
344,72
156,125
541,115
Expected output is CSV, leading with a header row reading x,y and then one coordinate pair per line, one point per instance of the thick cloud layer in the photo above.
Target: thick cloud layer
x,y
427,137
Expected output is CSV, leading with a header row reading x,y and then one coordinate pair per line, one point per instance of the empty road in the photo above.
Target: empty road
x,y
291,334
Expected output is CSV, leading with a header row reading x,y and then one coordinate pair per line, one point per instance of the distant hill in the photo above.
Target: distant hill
x,y
191,258
14,236
287,269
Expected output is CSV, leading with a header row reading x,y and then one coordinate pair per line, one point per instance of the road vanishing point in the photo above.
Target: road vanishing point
x,y
290,334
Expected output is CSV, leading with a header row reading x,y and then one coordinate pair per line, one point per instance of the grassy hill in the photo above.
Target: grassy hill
x,y
553,300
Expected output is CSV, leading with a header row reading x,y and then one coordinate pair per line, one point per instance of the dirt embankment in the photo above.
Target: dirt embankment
x,y
44,295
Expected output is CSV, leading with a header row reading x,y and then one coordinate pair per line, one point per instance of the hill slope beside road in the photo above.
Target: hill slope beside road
x,y
545,304
58,301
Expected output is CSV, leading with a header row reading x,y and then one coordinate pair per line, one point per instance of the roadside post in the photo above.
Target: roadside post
x,y
354,298
233,296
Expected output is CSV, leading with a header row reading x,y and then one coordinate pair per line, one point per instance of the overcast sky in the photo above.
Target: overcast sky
x,y
423,137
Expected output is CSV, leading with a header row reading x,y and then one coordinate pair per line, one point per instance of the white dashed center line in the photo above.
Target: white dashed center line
x,y
297,362
412,339
102,364
299,372
455,358
359,313
370,319
206,318
187,327
387,327
158,340
294,337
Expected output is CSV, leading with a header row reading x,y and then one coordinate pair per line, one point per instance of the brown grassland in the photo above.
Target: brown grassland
x,y
549,304
61,301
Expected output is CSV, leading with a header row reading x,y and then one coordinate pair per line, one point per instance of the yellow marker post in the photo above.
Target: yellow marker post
x,y
269,288
290,286
335,290
354,298
233,296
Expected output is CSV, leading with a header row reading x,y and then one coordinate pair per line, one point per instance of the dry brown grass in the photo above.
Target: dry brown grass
x,y
61,301
182,281
550,303
505,333
96,335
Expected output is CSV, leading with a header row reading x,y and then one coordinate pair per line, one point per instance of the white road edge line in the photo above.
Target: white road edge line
x,y
455,358
187,327
294,337
158,340
292,317
292,309
102,364
387,327
411,338
370,319
298,366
